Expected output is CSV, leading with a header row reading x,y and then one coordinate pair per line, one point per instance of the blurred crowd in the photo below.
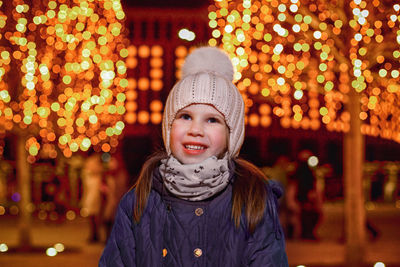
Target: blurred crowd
x,y
104,183
304,184
301,205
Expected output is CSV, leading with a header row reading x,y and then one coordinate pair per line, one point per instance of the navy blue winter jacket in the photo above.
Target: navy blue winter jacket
x,y
174,232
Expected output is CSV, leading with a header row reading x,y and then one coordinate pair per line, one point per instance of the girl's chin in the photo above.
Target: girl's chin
x,y
188,160
192,159
186,156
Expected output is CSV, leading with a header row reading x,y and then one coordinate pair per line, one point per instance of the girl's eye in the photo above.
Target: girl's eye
x,y
213,120
185,117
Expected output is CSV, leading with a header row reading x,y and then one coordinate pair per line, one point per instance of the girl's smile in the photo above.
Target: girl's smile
x,y
198,132
194,148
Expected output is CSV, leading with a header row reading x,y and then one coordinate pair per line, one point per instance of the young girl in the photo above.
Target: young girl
x,y
198,204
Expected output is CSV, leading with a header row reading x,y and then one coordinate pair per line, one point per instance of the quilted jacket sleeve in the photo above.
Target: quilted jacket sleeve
x,y
267,245
120,249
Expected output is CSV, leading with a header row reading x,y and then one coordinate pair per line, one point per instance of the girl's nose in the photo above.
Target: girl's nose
x,y
196,129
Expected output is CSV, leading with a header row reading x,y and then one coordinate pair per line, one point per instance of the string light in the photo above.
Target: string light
x,y
71,56
309,58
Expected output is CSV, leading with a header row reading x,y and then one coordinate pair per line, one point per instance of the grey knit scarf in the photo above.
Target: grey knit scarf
x,y
195,182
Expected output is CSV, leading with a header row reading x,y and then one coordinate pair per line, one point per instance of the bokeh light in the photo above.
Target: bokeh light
x,y
59,247
71,59
312,161
2,210
299,53
51,252
3,247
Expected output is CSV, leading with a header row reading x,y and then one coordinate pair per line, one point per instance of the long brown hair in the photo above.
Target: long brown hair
x,y
249,191
143,183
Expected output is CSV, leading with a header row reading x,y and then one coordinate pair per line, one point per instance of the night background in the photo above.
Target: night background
x,y
299,81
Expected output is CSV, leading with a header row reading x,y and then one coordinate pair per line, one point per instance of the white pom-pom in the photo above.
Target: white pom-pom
x,y
208,59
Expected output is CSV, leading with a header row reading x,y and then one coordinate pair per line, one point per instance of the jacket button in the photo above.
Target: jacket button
x,y
199,211
197,252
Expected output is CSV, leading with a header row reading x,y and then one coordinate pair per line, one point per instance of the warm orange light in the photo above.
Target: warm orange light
x,y
265,121
106,147
130,118
143,117
157,51
68,81
131,62
131,106
156,118
143,84
326,63
144,51
156,85
156,105
254,120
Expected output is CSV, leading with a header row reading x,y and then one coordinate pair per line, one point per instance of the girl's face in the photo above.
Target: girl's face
x,y
198,132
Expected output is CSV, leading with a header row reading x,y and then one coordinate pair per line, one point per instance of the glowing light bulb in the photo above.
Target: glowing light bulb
x,y
51,252
187,35
298,94
3,247
312,161
59,247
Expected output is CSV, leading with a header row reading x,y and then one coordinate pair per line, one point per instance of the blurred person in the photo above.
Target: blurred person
x,y
5,173
197,203
280,172
293,209
116,182
307,197
92,196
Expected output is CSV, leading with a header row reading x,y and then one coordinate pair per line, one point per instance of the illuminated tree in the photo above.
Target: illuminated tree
x,y
312,63
62,81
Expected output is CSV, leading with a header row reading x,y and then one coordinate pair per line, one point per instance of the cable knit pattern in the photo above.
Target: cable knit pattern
x,y
208,87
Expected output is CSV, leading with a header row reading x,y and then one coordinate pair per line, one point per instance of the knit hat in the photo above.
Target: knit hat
x,y
207,76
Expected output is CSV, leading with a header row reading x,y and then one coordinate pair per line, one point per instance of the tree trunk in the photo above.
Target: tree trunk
x,y
355,223
24,188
